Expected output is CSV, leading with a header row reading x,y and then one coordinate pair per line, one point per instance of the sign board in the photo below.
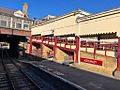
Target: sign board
x,y
19,14
91,61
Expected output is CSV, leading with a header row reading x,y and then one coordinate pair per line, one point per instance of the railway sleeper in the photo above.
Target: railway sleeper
x,y
18,79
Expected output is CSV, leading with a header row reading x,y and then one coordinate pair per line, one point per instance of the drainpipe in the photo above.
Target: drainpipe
x,y
77,51
78,41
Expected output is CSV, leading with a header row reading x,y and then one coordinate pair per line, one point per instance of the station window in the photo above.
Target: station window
x,y
18,25
13,25
8,23
26,26
3,23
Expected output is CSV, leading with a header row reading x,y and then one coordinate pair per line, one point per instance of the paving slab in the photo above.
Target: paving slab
x,y
87,80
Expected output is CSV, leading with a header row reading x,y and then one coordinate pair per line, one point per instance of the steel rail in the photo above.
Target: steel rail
x,y
16,76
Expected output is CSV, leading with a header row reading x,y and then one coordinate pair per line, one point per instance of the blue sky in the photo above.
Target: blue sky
x,y
41,8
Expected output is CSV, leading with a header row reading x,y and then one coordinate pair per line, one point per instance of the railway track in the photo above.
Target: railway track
x,y
11,77
24,76
4,81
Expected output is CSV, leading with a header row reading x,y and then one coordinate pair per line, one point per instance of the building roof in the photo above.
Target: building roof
x,y
100,15
51,18
48,17
15,13
41,20
6,11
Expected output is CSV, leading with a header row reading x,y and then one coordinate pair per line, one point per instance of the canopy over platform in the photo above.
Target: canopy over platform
x,y
105,22
110,35
47,32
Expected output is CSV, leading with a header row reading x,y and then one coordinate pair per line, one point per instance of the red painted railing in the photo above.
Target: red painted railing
x,y
66,44
50,39
98,47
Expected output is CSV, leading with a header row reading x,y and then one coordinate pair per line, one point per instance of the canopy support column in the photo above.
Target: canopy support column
x,y
55,46
30,48
77,51
118,63
117,71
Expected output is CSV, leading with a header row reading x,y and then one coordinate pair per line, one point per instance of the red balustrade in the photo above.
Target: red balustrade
x,y
96,46
65,42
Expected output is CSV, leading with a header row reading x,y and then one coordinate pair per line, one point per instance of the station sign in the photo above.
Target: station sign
x,y
92,61
19,14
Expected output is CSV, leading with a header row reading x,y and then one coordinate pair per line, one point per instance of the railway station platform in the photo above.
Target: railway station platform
x,y
87,80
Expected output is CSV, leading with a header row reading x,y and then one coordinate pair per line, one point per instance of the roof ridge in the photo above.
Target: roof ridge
x,y
7,9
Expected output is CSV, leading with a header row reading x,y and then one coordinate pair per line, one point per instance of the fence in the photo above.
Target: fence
x,y
108,50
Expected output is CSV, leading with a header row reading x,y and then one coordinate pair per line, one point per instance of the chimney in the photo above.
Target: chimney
x,y
25,9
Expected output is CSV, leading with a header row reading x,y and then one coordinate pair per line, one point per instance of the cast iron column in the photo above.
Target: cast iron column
x,y
77,50
55,46
30,48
